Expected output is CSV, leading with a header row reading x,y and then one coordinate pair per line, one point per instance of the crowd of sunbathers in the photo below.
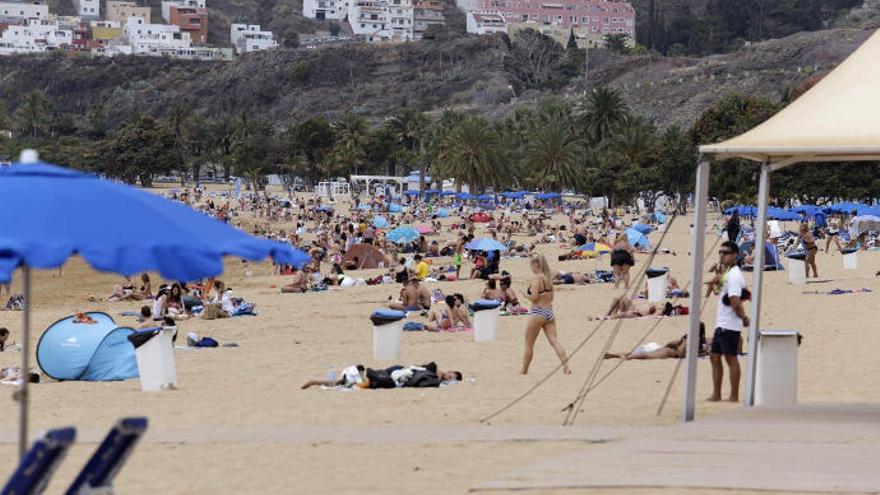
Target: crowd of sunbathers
x,y
210,299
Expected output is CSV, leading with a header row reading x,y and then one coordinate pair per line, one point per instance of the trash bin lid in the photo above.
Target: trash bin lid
x,y
484,304
141,337
778,333
849,250
656,272
796,256
385,316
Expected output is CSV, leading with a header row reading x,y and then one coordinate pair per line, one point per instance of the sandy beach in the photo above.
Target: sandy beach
x,y
239,422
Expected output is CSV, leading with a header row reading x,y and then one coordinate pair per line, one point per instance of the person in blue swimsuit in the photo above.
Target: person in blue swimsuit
x,y
540,293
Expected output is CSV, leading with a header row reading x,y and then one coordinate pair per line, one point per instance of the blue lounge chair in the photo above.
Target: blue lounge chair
x,y
98,474
40,463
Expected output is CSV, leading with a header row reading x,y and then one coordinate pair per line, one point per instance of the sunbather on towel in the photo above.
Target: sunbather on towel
x,y
14,375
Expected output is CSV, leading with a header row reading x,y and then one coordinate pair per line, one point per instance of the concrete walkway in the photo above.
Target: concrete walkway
x,y
834,448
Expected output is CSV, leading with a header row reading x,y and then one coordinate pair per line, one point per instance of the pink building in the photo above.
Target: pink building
x,y
588,18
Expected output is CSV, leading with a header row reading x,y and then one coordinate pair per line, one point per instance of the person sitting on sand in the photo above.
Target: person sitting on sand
x,y
453,315
298,283
675,349
121,292
491,291
413,297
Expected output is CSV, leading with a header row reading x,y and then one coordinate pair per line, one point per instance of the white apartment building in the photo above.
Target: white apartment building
x,y
24,10
246,38
485,23
401,15
37,36
88,9
370,19
153,39
167,4
330,10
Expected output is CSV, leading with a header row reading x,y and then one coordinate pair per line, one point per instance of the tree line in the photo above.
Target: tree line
x,y
594,145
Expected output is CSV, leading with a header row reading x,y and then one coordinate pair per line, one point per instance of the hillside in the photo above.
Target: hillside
x,y
465,72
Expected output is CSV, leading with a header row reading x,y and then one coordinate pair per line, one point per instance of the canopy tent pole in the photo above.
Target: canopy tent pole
x,y
757,284
701,199
25,363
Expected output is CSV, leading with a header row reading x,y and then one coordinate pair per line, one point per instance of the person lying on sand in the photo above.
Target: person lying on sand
x,y
675,349
565,278
397,376
14,375
623,307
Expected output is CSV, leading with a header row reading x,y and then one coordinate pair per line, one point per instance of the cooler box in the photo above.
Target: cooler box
x,y
387,329
154,351
776,374
485,319
657,283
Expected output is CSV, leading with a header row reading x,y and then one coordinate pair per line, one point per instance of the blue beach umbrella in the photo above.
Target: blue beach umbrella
x,y
485,244
380,222
805,209
411,193
484,197
61,213
636,238
325,208
775,213
448,193
545,196
403,234
364,207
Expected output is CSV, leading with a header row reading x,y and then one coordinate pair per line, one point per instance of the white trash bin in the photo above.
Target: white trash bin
x,y
387,331
155,358
776,374
657,284
797,271
486,314
851,261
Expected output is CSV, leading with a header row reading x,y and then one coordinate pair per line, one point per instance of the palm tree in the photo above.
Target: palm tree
x,y
554,156
222,138
410,126
177,125
352,136
473,154
34,115
605,109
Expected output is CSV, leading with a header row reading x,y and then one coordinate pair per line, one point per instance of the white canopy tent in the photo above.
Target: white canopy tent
x,y
838,119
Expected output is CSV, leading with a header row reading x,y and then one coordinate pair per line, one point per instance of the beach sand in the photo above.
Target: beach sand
x,y
239,422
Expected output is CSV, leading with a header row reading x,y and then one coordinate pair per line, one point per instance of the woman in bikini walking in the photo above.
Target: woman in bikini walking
x,y
540,293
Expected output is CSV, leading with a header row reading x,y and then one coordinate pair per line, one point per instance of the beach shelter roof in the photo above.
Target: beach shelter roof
x,y
836,120
367,255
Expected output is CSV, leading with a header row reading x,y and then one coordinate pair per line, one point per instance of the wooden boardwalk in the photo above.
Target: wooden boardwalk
x,y
815,448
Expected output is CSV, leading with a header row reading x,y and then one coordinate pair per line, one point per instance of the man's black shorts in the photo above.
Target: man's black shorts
x,y
725,342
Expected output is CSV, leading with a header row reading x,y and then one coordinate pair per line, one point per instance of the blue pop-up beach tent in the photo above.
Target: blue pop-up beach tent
x,y
97,351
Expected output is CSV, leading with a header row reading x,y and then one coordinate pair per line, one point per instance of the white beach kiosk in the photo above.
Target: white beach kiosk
x,y
836,120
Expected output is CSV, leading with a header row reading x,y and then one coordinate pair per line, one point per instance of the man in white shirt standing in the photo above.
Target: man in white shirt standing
x,y
730,319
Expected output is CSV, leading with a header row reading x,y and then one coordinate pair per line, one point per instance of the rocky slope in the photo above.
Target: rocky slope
x,y
465,72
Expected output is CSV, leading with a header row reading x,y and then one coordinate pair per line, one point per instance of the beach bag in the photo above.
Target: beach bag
x,y
211,311
207,342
